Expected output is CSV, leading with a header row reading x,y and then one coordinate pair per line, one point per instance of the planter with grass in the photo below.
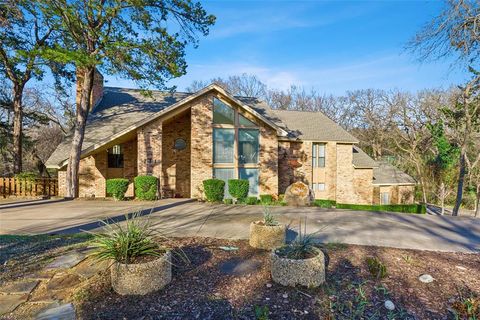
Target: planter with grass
x,y
267,233
139,264
298,263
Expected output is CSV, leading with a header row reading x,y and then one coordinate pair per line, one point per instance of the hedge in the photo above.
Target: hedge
x,y
266,199
405,208
324,203
117,187
251,200
228,201
146,187
214,189
238,188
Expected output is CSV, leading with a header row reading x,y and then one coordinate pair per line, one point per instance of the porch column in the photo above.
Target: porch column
x,y
149,150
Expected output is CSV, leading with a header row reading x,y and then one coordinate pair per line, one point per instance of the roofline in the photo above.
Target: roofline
x,y
362,167
213,86
316,140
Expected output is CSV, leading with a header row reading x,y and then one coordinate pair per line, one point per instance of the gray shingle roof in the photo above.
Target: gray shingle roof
x,y
362,160
119,109
386,174
305,125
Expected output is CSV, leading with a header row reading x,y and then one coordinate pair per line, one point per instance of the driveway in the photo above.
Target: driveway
x,y
69,216
179,218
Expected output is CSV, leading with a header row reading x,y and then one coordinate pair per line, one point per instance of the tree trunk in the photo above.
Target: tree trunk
x,y
477,203
442,197
17,128
78,134
461,179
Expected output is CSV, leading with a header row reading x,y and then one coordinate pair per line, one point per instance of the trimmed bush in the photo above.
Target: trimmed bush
x,y
324,203
117,188
238,188
405,208
228,201
146,187
251,200
266,199
214,189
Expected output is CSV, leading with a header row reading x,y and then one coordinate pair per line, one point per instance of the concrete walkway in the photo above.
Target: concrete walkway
x,y
177,217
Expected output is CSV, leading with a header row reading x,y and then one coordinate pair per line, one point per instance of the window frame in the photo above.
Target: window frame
x,y
114,157
317,160
236,126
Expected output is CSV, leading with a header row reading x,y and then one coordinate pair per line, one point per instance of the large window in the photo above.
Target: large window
x,y
222,113
318,155
248,146
252,176
223,141
236,146
115,157
224,174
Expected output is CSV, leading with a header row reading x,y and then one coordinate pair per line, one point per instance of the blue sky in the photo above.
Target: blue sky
x,y
331,46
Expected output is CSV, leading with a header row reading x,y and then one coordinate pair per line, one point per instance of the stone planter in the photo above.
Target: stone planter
x,y
142,278
267,237
306,272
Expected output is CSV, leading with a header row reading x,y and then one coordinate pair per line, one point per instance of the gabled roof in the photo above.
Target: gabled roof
x,y
386,174
123,110
308,125
362,160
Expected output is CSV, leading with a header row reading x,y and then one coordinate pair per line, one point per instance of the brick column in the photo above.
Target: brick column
x,y
149,148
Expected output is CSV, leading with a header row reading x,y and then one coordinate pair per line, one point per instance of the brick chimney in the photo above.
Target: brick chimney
x,y
97,90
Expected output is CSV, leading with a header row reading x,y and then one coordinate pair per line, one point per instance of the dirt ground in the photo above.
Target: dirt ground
x,y
219,284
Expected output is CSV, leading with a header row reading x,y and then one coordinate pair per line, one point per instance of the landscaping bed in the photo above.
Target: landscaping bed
x,y
235,283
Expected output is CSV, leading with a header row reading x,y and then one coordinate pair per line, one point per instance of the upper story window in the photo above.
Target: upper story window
x,y
318,155
115,157
244,122
222,113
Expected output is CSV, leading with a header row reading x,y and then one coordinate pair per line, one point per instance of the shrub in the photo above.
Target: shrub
x,y
251,200
228,201
27,175
266,199
214,189
146,187
324,203
405,208
303,247
117,188
238,188
376,268
125,243
268,218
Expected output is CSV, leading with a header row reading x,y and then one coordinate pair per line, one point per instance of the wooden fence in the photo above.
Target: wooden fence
x,y
34,187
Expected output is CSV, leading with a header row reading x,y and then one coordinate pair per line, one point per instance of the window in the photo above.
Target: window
x,y
384,198
244,122
318,155
224,174
115,157
318,187
222,113
247,146
179,144
252,176
223,145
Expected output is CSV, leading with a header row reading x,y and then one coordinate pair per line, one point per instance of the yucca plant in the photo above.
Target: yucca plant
x,y
268,218
302,247
126,241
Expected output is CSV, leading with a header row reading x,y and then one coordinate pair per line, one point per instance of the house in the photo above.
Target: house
x,y
185,138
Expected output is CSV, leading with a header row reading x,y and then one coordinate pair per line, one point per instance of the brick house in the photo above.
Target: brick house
x,y
185,138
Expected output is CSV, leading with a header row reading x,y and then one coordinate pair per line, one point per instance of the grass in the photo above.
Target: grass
x,y
404,208
324,203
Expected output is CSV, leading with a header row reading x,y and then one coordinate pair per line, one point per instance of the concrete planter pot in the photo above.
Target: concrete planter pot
x,y
267,237
142,278
305,272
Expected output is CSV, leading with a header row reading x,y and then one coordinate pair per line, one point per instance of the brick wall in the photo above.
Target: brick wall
x,y
362,182
176,163
293,164
92,175
345,172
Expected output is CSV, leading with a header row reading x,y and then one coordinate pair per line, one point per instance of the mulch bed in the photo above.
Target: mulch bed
x,y
205,289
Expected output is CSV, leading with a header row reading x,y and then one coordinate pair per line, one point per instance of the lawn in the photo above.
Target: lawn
x,y
219,284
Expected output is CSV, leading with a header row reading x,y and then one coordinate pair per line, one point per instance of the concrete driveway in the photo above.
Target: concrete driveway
x,y
69,216
180,218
